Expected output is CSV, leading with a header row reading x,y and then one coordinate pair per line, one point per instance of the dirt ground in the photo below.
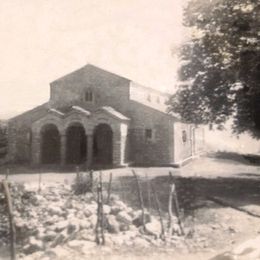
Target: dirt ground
x,y
211,227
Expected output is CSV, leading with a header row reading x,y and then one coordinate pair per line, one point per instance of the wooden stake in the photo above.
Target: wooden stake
x,y
101,210
109,187
172,187
39,182
7,173
148,192
98,215
176,205
100,238
177,211
77,174
141,200
11,221
158,207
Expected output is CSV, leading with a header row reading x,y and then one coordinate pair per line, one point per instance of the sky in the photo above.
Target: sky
x,y
42,40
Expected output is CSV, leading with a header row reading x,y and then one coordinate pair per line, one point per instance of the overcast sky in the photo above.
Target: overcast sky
x,y
42,40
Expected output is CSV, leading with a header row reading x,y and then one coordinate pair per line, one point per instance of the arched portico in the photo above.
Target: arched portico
x,y
50,144
79,137
76,144
103,145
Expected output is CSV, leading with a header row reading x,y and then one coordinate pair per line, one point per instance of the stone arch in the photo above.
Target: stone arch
x,y
76,143
50,144
103,145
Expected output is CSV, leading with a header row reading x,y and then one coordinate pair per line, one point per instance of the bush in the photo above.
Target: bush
x,y
83,183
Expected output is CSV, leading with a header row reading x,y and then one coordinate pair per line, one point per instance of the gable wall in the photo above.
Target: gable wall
x,y
109,89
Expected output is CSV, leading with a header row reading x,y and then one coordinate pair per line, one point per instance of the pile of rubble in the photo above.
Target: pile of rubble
x,y
55,218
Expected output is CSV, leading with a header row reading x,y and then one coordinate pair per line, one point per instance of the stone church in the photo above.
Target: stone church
x,y
97,118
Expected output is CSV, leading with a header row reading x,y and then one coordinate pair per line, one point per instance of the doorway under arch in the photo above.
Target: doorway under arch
x,y
76,144
103,145
50,144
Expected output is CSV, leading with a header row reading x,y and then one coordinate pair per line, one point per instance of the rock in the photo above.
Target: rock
x,y
113,198
153,228
112,224
138,219
33,246
81,244
115,210
54,210
61,225
87,213
93,220
124,227
73,226
106,209
124,217
59,239
84,224
49,236
117,240
76,244
140,242
57,253
52,219
86,235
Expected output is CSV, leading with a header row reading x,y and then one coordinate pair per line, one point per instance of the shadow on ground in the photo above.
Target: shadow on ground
x,y
247,159
192,192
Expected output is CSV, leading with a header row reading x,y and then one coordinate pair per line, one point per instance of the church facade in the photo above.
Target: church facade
x,y
97,118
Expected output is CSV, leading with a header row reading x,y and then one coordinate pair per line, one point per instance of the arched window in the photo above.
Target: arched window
x,y
89,95
184,136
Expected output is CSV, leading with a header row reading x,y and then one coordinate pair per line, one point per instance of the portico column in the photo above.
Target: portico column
x,y
63,149
89,150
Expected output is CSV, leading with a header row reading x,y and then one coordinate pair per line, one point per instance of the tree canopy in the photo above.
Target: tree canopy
x,y
220,65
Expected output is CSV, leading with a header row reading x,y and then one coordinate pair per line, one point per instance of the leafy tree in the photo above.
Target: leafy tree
x,y
220,71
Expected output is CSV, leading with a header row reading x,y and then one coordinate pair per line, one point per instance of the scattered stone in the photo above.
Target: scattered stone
x,y
54,210
138,219
153,228
61,225
33,246
106,209
124,217
112,224
59,239
140,242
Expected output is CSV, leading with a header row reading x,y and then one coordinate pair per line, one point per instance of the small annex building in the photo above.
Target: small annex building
x,y
97,118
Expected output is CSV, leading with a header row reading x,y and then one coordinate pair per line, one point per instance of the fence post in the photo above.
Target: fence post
x,y
148,192
141,200
10,217
172,186
158,206
109,187
7,173
176,205
100,213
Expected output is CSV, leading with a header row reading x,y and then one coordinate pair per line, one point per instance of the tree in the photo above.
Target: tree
x,y
220,71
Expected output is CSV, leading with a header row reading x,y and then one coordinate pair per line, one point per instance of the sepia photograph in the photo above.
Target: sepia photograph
x,y
130,129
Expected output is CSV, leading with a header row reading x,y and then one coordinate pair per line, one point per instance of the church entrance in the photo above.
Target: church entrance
x,y
76,145
103,145
50,144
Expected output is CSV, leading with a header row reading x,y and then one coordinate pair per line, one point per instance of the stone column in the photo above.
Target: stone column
x,y
119,145
63,149
89,150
